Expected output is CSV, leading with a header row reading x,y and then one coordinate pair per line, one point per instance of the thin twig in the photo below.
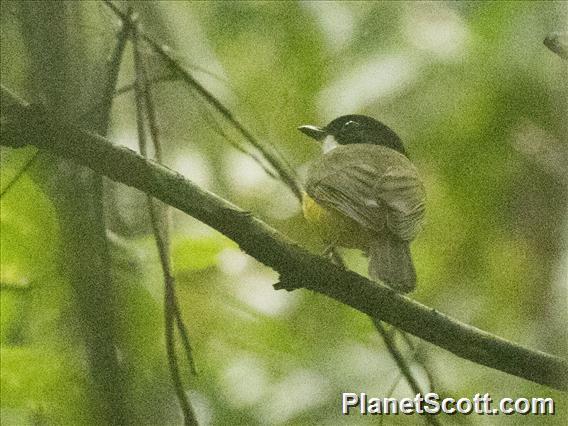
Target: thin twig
x,y
155,137
390,392
402,365
105,109
394,384
145,107
159,79
277,162
397,356
165,237
182,329
216,127
209,119
420,359
20,173
101,123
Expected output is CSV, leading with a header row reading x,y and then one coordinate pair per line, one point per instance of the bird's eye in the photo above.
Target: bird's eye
x,y
349,126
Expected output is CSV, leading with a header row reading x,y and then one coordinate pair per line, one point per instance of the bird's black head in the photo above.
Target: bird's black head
x,y
355,129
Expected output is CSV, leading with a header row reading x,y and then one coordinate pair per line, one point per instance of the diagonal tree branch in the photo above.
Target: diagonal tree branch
x,y
297,267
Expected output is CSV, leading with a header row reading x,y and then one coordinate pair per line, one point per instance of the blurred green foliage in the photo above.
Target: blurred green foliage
x,y
469,86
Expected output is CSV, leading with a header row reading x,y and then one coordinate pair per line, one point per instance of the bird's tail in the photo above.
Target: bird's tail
x,y
390,262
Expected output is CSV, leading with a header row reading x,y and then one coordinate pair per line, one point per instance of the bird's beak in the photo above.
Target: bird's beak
x,y
313,132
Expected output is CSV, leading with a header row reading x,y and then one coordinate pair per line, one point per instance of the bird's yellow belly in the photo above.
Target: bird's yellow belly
x,y
335,228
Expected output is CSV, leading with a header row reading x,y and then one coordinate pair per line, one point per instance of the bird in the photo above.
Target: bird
x,y
364,193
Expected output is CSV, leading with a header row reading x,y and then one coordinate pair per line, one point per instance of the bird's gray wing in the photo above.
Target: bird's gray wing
x,y
401,189
350,191
373,185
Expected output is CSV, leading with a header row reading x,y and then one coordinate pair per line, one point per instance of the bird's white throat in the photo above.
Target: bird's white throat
x,y
329,143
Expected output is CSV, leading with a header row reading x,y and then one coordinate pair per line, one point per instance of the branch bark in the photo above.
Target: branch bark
x,y
297,267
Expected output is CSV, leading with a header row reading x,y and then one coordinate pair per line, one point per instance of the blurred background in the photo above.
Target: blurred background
x,y
477,98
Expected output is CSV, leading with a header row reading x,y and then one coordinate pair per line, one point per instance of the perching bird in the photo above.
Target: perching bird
x,y
364,193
